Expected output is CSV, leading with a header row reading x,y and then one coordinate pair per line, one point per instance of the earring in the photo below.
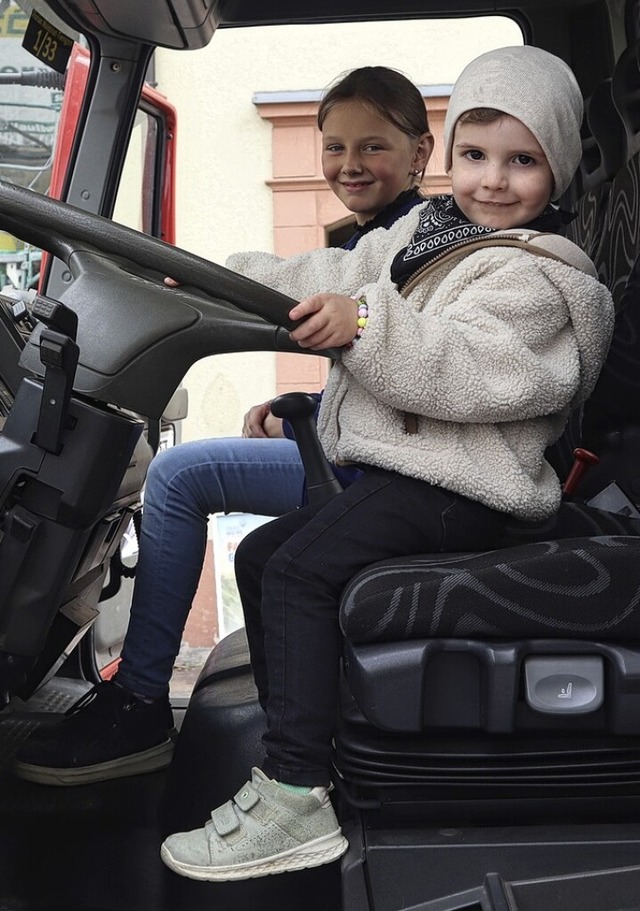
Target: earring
x,y
416,172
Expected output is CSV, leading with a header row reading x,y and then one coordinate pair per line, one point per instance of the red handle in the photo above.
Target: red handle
x,y
583,460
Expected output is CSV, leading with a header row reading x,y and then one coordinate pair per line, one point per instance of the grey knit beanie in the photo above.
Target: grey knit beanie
x,y
538,89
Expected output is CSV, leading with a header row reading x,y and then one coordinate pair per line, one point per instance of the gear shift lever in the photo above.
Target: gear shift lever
x,y
299,408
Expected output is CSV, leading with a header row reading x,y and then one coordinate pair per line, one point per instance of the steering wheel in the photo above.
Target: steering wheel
x,y
138,337
66,231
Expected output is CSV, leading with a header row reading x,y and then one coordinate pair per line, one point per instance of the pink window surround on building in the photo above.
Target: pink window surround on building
x,y
305,210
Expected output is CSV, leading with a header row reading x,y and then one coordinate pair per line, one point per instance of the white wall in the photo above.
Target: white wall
x,y
224,149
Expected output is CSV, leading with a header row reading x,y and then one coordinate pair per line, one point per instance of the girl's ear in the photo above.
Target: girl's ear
x,y
422,153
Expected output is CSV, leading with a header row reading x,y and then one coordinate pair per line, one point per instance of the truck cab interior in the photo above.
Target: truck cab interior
x,y
488,737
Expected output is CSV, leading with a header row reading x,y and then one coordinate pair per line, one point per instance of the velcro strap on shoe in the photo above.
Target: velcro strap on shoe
x,y
247,797
225,819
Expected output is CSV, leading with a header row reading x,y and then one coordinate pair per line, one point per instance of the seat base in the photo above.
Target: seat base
x,y
465,828
523,868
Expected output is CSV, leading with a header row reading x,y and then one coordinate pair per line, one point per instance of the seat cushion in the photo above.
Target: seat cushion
x,y
574,588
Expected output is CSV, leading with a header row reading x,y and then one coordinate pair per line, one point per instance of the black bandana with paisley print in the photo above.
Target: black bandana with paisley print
x,y
442,224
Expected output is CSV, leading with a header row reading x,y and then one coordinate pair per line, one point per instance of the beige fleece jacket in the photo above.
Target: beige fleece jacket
x,y
490,352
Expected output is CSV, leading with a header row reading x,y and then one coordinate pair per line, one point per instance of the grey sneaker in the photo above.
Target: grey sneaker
x,y
264,829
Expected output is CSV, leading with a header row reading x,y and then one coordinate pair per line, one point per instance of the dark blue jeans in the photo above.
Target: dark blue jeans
x,y
291,573
184,486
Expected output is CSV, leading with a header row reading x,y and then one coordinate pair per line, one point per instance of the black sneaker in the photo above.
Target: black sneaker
x,y
108,733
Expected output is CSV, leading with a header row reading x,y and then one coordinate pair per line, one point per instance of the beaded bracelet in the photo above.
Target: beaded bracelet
x,y
363,319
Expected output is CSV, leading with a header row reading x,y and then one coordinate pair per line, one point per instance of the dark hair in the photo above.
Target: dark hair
x,y
386,92
481,115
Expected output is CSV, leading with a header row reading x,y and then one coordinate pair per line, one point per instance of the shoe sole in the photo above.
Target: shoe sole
x,y
312,854
151,760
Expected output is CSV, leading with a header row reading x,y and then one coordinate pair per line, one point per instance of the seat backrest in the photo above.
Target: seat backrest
x,y
604,151
621,231
608,229
604,155
613,410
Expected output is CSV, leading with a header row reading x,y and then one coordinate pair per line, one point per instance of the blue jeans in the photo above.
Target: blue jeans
x,y
184,486
291,573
